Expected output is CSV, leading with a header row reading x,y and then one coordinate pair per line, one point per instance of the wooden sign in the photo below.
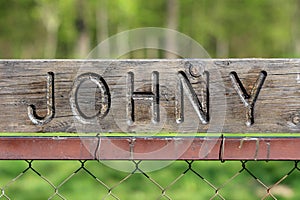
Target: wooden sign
x,y
249,107
134,96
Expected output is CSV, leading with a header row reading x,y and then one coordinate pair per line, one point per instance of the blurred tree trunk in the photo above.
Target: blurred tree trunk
x,y
296,28
222,48
102,28
102,20
50,19
82,47
172,23
152,53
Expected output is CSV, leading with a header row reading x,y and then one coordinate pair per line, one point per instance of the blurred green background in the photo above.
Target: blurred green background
x,y
72,28
200,182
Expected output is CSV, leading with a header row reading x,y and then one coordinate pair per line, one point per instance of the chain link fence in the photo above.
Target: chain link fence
x,y
38,179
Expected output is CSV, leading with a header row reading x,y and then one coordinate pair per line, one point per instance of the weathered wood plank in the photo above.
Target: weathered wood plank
x,y
147,95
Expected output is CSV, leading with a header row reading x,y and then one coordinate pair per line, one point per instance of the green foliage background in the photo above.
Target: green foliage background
x,y
138,186
71,28
230,28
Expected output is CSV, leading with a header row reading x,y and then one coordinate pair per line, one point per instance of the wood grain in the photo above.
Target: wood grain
x,y
276,109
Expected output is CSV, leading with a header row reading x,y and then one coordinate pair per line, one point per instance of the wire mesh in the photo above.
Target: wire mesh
x,y
36,179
